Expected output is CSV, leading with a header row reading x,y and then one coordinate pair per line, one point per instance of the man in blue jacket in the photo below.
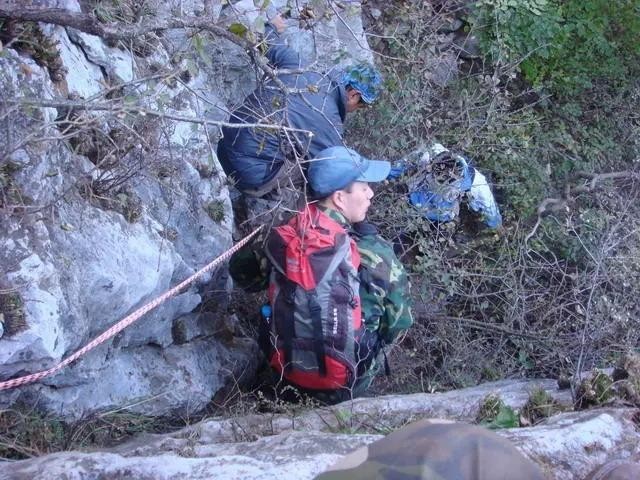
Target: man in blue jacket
x,y
262,161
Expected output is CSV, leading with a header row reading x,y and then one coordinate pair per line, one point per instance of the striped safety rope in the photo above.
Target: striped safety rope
x,y
125,322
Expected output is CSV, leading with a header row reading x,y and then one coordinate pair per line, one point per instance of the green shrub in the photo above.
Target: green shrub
x,y
495,414
539,406
215,210
566,44
528,300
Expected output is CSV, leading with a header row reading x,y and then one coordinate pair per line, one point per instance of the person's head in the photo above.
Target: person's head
x,y
433,448
363,85
446,168
339,177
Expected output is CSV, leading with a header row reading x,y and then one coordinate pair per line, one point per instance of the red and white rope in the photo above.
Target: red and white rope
x,y
128,320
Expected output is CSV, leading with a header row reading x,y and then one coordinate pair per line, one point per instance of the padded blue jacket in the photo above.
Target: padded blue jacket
x,y
253,156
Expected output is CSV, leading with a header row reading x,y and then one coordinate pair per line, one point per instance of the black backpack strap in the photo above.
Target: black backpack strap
x,y
318,338
287,328
387,370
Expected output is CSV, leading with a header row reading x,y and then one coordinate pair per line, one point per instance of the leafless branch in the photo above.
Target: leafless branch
x,y
119,32
118,108
550,205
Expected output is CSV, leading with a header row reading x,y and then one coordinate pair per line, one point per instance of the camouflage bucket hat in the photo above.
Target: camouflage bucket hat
x,y
365,78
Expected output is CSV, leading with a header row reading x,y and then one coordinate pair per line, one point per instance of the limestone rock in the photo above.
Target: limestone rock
x,y
117,63
82,78
110,209
302,445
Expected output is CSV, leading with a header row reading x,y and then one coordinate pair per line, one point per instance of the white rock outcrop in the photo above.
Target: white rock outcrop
x,y
302,444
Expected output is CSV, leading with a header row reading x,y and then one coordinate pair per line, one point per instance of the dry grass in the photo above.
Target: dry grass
x,y
26,433
555,300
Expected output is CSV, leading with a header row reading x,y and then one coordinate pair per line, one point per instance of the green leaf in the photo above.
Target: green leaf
x,y
343,416
197,42
506,418
198,45
238,29
258,25
524,360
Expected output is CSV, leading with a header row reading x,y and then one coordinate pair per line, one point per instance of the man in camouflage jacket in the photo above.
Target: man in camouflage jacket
x,y
384,285
339,178
384,292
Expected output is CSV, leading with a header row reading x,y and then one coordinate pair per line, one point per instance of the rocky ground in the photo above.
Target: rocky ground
x,y
300,445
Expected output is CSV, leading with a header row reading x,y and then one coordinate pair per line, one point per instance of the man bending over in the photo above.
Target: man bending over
x,y
264,163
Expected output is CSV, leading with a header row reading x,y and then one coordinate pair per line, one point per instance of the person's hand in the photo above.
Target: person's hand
x,y
500,232
278,23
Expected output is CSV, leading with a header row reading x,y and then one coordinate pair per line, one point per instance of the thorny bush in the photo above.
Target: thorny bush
x,y
552,292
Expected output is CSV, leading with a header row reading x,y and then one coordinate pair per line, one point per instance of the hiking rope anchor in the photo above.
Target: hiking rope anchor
x,y
128,320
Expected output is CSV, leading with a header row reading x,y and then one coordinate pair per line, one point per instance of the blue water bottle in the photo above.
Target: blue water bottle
x,y
265,312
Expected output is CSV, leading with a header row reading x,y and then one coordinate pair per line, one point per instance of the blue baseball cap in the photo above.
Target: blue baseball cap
x,y
364,78
335,168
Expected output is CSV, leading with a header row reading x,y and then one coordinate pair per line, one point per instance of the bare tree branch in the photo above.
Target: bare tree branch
x,y
549,205
133,109
90,24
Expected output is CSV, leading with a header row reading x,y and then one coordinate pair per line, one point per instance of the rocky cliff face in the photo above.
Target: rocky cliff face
x,y
108,198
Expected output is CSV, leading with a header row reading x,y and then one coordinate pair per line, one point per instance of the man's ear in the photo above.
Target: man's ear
x,y
353,99
338,199
352,93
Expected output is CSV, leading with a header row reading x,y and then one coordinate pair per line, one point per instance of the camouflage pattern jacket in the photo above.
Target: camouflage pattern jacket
x,y
384,285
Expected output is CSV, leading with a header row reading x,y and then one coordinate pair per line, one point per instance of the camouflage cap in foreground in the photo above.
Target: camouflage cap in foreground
x,y
620,469
436,450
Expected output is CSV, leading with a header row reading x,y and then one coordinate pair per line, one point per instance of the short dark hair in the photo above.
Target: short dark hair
x,y
348,189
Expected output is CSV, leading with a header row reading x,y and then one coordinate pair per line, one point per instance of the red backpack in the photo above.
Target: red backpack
x,y
315,304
